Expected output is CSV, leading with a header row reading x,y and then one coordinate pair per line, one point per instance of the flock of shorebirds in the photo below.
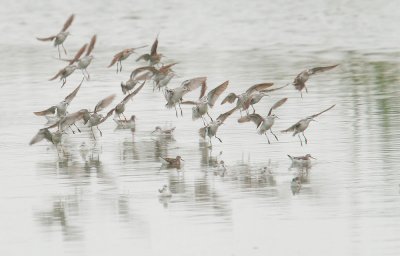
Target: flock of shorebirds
x,y
60,121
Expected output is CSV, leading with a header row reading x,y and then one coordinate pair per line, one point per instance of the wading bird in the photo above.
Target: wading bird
x,y
153,58
120,108
64,73
172,162
123,55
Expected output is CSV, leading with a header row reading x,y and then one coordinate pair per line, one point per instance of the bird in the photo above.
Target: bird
x,y
258,95
71,119
163,132
300,80
163,75
172,162
220,169
174,96
131,123
53,137
211,129
61,36
301,160
59,110
295,185
123,55
302,125
165,191
137,75
153,58
242,100
84,62
64,73
201,106
264,123
120,108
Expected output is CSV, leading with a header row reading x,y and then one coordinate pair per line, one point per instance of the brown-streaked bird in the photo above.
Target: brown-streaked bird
x,y
201,106
174,96
257,96
61,36
302,125
211,129
163,76
163,131
153,58
60,110
64,73
172,162
84,62
120,108
53,137
301,160
69,120
123,55
243,98
300,81
264,123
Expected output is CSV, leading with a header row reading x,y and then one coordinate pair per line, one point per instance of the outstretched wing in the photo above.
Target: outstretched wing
x,y
72,95
167,67
42,134
50,38
189,102
107,116
78,54
104,103
315,115
68,23
259,87
91,45
203,89
316,70
230,98
293,127
153,50
194,83
141,69
213,95
255,118
129,96
145,57
51,110
274,89
277,105
225,115
57,75
116,58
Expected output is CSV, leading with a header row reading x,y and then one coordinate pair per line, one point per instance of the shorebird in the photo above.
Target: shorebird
x,y
59,110
61,36
131,123
165,191
64,73
122,55
258,95
163,75
120,108
84,62
201,107
300,81
211,129
172,162
71,119
95,119
44,133
243,98
295,185
153,58
174,96
264,124
301,160
163,132
137,75
302,125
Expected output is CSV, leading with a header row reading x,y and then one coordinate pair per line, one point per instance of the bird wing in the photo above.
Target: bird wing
x,y
293,127
315,115
72,95
57,75
230,98
116,58
189,102
78,54
42,134
153,50
50,38
68,23
104,103
274,89
194,83
213,95
129,96
203,89
299,83
255,118
107,116
316,70
277,105
141,69
91,45
168,160
51,110
145,57
225,115
166,68
259,87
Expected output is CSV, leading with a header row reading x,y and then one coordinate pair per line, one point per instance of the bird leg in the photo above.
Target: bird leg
x,y
64,80
179,104
305,87
120,66
254,111
304,137
94,137
267,138
59,54
301,94
101,134
210,117
273,134
73,132
117,66
88,75
301,142
65,51
218,138
77,127
204,122
124,116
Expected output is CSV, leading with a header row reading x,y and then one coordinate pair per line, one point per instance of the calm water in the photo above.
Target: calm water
x,y
104,201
